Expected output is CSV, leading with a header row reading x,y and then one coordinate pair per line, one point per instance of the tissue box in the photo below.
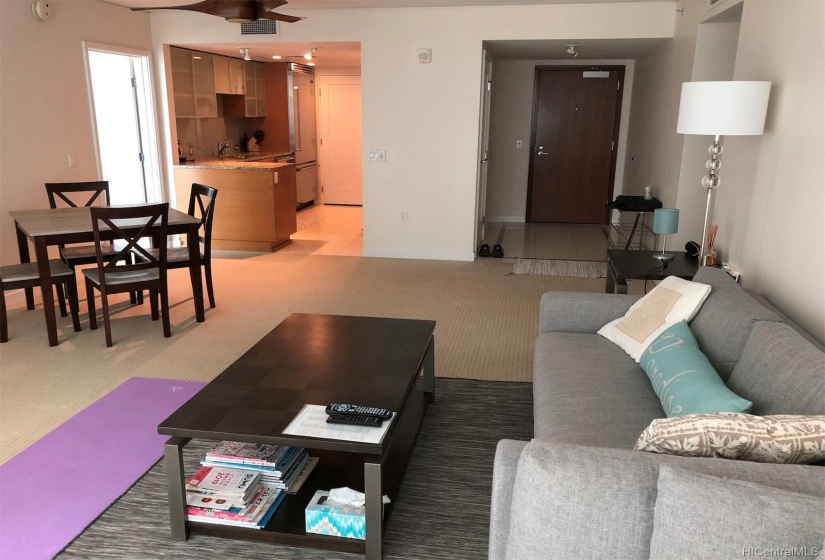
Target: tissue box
x,y
338,521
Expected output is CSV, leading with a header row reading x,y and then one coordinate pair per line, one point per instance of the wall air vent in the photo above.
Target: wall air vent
x,y
302,68
260,27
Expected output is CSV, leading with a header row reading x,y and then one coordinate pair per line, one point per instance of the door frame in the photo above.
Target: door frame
x,y
616,129
482,175
152,174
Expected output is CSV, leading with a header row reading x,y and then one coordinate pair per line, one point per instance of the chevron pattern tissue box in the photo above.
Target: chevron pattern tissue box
x,y
338,521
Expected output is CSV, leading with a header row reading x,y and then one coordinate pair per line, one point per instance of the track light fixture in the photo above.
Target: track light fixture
x,y
245,53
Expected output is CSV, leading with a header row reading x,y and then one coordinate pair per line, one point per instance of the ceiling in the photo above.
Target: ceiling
x,y
555,49
327,55
320,4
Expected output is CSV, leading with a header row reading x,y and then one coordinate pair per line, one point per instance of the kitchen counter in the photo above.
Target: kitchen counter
x,y
255,206
231,162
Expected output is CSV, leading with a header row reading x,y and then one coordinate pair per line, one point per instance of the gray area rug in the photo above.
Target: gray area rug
x,y
546,267
442,512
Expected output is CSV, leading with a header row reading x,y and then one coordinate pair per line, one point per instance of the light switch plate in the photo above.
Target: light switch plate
x,y
378,155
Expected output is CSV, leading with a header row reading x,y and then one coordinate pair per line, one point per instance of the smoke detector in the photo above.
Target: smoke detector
x,y
571,51
42,9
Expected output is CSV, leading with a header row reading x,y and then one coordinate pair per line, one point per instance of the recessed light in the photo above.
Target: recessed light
x,y
310,64
276,56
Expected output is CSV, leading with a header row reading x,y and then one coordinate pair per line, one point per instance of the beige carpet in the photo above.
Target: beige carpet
x,y
486,324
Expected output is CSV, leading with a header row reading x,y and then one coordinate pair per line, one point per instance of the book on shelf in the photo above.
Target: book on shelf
x,y
247,453
254,515
302,475
288,458
224,480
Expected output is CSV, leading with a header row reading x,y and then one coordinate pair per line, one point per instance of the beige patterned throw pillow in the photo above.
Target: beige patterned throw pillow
x,y
730,435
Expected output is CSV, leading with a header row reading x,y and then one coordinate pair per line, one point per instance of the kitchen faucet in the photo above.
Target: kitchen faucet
x,y
223,145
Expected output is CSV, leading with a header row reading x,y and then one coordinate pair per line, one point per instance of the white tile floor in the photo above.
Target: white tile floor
x,y
549,241
328,230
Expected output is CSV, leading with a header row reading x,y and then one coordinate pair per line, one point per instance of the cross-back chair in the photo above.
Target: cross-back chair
x,y
201,206
74,195
140,269
19,276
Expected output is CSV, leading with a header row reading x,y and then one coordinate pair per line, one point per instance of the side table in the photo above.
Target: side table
x,y
640,265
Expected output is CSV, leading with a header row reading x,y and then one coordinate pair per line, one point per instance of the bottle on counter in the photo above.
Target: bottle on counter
x,y
245,143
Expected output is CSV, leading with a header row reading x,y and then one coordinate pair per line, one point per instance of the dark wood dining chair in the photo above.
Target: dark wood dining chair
x,y
201,206
72,195
139,268
19,276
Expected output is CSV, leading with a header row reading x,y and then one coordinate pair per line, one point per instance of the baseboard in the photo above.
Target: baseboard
x,y
419,254
507,219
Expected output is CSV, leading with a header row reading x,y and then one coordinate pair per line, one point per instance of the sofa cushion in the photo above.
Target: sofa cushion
x,y
573,501
780,372
766,439
673,300
683,378
689,503
587,390
725,322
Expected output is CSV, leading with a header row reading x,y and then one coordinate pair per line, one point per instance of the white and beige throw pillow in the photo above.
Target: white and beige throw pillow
x,y
730,435
673,300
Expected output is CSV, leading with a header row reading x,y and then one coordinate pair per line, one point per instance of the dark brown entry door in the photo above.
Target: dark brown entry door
x,y
575,132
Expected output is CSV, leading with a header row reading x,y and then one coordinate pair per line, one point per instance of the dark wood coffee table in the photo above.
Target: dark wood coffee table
x,y
314,359
640,265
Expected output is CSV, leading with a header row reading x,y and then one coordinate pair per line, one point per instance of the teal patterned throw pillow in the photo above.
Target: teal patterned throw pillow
x,y
683,378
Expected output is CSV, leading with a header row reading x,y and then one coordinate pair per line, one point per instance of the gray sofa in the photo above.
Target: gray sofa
x,y
578,490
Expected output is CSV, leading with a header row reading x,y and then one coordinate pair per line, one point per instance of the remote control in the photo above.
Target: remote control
x,y
381,413
343,418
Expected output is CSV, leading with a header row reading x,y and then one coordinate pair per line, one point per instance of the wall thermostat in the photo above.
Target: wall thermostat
x,y
42,9
425,56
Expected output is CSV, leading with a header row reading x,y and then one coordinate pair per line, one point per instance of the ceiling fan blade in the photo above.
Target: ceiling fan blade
x,y
227,9
265,8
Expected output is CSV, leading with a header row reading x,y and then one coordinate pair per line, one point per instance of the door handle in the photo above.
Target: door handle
x,y
543,153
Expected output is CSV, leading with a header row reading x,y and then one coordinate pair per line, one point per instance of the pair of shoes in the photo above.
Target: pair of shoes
x,y
484,250
498,252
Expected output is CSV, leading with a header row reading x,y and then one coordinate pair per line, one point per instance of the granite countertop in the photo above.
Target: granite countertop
x,y
252,163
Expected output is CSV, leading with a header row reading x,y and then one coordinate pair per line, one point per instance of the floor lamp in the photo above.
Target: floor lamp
x,y
721,109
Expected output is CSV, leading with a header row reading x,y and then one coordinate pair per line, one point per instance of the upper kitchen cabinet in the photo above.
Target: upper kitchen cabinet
x,y
193,84
253,104
229,75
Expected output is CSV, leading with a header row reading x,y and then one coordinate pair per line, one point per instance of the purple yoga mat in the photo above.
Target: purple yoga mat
x,y
56,487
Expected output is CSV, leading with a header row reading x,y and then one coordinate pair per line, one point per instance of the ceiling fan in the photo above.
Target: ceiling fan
x,y
235,11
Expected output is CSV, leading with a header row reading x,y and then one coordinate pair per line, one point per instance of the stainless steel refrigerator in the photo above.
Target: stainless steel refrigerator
x,y
302,131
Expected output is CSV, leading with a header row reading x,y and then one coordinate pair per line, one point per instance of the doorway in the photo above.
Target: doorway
x,y
340,126
123,122
484,148
576,116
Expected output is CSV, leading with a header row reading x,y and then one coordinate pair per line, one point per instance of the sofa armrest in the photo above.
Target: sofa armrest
x,y
578,312
504,477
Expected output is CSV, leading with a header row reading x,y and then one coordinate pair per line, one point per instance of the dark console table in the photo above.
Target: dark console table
x,y
640,265
314,359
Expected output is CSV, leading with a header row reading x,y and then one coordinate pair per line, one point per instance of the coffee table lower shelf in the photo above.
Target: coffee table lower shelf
x,y
335,470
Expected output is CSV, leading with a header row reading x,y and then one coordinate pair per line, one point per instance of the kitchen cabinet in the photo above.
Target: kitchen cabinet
x,y
193,84
253,104
253,211
229,75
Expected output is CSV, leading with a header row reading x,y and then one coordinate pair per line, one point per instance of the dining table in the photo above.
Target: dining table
x,y
64,226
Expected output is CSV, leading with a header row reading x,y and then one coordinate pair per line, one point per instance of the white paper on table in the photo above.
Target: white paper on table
x,y
312,422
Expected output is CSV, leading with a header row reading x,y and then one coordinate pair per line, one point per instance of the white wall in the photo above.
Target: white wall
x,y
511,119
44,106
426,116
771,202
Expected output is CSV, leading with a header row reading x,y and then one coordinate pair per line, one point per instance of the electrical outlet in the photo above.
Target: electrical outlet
x,y
378,155
519,144
404,216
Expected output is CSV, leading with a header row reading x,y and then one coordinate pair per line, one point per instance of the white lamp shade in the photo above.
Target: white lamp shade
x,y
723,108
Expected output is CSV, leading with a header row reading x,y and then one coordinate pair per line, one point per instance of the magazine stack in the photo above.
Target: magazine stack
x,y
282,466
229,496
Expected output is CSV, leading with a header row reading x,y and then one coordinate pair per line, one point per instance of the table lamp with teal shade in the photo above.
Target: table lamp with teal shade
x,y
665,222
